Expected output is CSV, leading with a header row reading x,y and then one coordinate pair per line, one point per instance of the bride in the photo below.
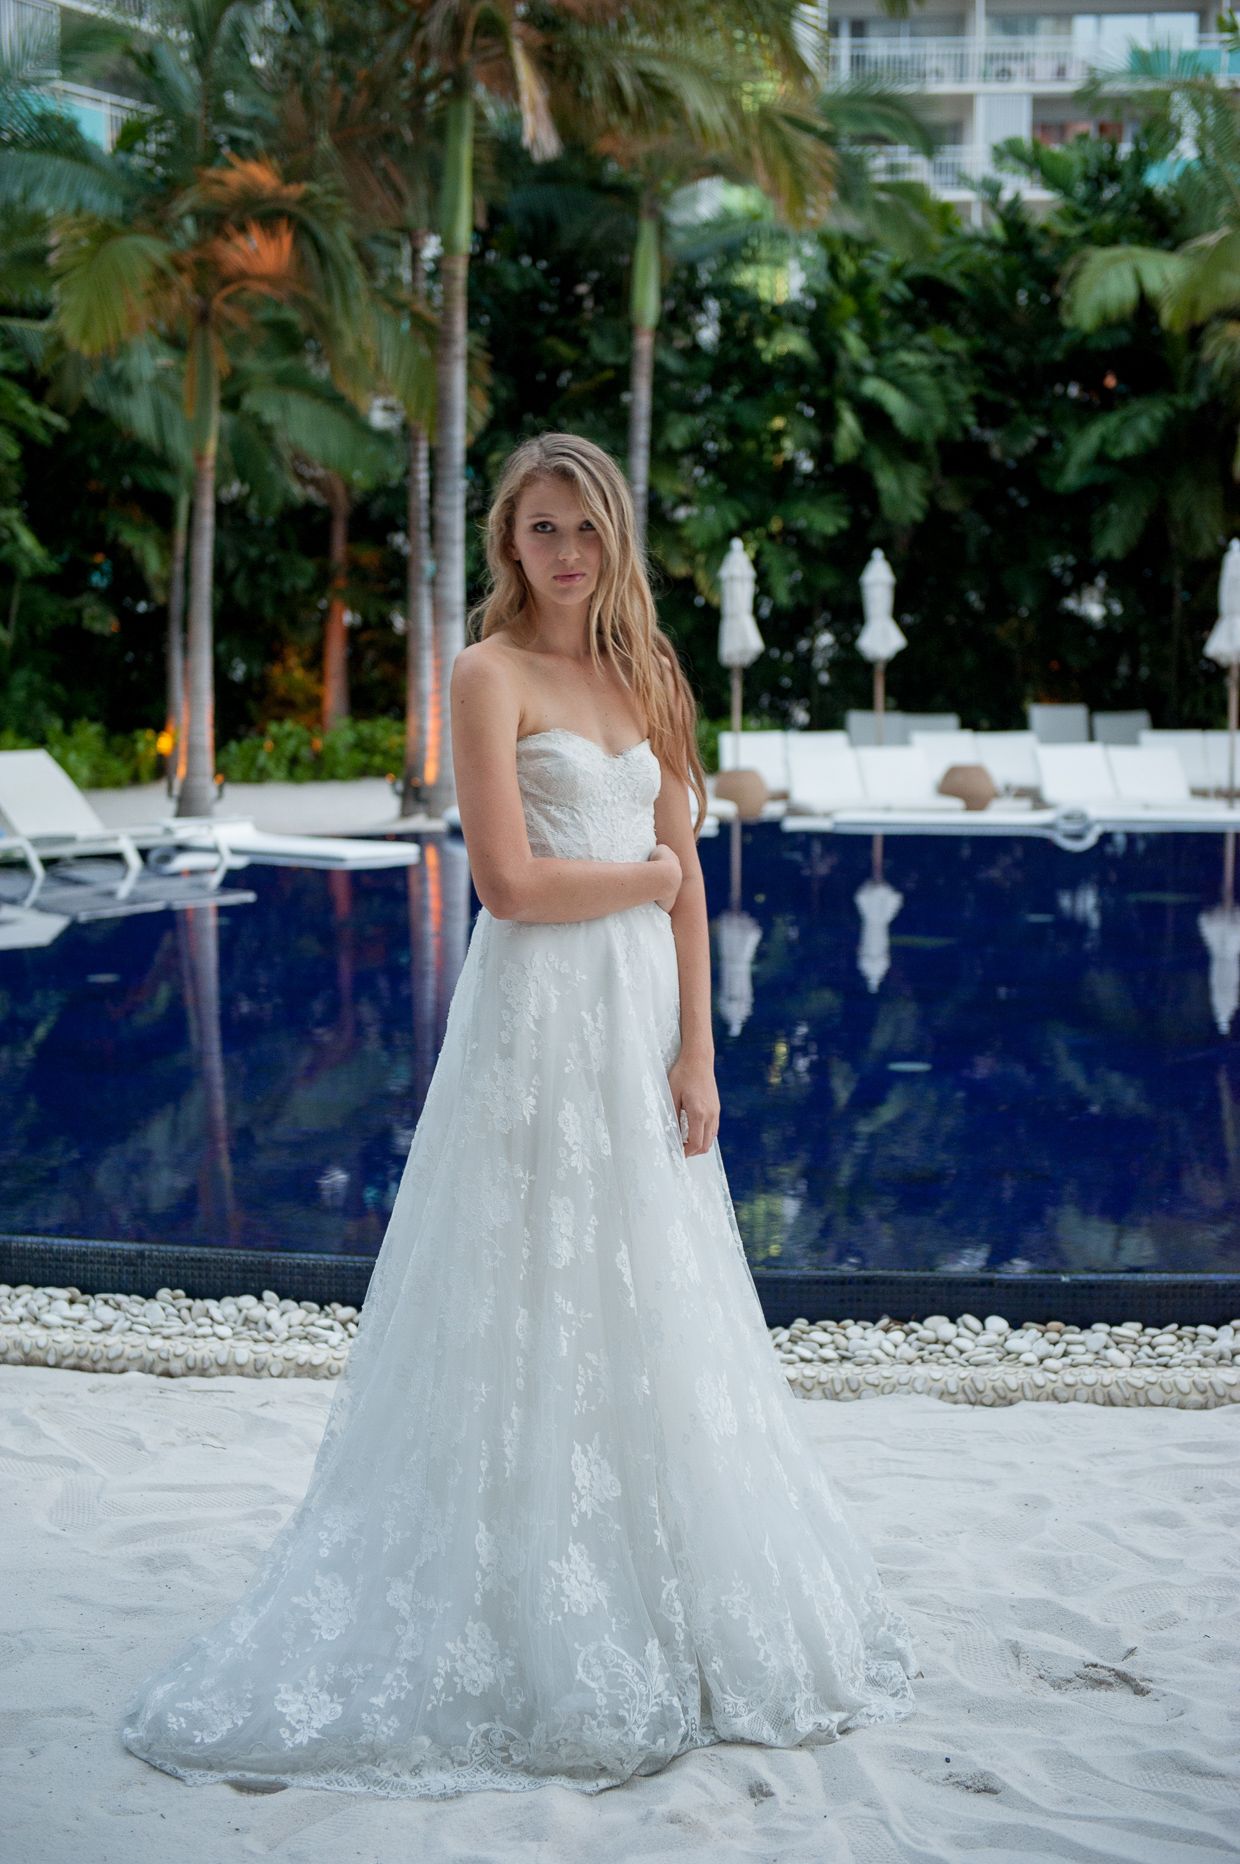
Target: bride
x,y
562,1525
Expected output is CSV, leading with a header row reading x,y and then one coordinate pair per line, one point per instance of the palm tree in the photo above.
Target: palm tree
x,y
193,229
1193,131
369,111
731,96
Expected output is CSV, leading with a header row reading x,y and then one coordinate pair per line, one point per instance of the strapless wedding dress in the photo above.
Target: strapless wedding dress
x,y
562,1525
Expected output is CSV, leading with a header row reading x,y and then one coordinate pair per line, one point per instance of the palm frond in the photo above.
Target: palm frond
x,y
1105,284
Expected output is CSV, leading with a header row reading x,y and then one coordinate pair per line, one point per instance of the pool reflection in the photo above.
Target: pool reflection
x,y
931,1053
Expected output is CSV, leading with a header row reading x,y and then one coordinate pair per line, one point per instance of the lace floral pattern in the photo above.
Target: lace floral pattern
x,y
561,1525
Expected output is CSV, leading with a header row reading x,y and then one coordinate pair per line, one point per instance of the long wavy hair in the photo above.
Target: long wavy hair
x,y
624,631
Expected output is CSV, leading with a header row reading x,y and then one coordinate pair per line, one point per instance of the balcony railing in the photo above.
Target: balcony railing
x,y
1034,64
956,168
19,18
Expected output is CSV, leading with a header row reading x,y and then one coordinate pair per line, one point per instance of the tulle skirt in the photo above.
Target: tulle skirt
x,y
562,1525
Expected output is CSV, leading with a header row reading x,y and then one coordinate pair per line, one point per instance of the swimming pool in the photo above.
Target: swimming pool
x,y
933,1054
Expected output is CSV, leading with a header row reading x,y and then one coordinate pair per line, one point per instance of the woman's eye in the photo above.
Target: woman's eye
x,y
543,524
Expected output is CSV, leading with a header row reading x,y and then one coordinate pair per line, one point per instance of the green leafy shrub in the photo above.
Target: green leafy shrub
x,y
288,752
95,759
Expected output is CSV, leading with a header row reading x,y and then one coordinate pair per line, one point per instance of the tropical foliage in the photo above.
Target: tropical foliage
x,y
236,345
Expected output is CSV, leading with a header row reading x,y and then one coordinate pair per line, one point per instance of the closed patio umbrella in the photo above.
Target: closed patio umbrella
x,y
1223,646
880,639
740,643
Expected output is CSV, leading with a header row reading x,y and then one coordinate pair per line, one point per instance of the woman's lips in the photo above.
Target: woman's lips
x,y
571,576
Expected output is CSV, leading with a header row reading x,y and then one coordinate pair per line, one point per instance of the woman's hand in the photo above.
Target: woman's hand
x,y
667,858
692,1081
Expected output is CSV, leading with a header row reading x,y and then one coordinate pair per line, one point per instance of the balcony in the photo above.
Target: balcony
x,y
19,18
954,169
1034,64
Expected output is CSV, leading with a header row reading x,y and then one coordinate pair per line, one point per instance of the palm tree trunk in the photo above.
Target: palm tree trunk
x,y
335,630
197,794
449,585
419,632
175,670
644,306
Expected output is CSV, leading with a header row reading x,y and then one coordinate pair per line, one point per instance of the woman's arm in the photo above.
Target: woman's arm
x,y
511,882
692,1075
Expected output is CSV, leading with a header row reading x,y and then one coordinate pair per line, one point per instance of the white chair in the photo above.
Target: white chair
x,y
862,727
1075,775
931,721
942,749
1152,777
1059,724
1217,760
1119,727
42,806
763,751
823,773
897,776
1011,757
1190,748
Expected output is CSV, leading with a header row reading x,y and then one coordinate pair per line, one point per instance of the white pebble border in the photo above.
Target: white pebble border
x,y
965,1361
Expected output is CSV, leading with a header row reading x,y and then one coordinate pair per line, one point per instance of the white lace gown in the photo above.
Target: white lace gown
x,y
562,1525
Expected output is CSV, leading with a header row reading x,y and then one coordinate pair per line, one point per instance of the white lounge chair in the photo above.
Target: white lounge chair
x,y
763,751
942,749
862,728
1119,727
1190,748
1217,759
897,776
823,773
1075,776
1151,777
931,721
1011,757
1059,724
42,806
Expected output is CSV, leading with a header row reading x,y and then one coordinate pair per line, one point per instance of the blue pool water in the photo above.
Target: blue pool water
x,y
1025,1071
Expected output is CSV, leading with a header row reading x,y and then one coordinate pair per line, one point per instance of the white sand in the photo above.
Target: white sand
x,y
1070,1573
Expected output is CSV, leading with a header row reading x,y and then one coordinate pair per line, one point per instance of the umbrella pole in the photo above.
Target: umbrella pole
x,y
1233,695
880,699
736,702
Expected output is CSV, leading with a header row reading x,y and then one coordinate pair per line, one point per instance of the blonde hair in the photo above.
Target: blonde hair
x,y
622,624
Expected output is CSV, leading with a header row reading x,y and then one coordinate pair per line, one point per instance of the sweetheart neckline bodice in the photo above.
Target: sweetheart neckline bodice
x,y
563,731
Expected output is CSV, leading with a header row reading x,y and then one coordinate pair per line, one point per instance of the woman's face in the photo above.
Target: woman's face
x,y
556,544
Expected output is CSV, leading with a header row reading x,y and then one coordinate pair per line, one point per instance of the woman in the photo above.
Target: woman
x,y
561,1526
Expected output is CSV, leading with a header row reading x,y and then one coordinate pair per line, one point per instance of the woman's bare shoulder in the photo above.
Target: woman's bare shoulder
x,y
488,670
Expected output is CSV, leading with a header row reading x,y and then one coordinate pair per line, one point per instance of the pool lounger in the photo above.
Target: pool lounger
x,y
995,820
45,813
243,843
1071,827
